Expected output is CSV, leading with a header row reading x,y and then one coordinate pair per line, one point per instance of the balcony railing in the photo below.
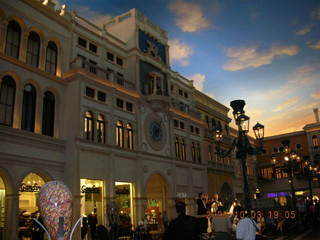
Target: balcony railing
x,y
221,166
188,110
80,63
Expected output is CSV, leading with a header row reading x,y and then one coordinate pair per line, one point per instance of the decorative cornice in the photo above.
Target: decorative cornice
x,y
27,138
31,68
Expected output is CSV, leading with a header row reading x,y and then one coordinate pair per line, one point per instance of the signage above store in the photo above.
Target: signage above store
x,y
279,194
29,188
93,189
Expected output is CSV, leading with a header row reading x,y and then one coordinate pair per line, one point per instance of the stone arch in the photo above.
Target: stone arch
x,y
19,20
226,194
38,31
157,193
6,178
40,172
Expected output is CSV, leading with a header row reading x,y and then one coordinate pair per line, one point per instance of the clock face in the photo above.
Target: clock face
x,y
156,131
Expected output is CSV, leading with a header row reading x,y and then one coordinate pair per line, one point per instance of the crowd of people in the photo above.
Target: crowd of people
x,y
214,221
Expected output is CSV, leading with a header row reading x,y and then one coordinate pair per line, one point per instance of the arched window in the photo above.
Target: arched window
x,y
183,150
13,39
198,152
7,96
29,108
51,58
315,142
193,152
101,129
48,114
210,153
119,134
130,136
33,50
177,147
88,126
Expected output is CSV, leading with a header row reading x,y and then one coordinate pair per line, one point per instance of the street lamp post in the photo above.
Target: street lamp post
x,y
310,172
291,159
242,144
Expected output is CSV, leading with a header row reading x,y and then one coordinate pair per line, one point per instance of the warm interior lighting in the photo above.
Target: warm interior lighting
x,y
286,158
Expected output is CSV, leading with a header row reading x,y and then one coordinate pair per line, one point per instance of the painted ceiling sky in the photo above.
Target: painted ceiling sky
x,y
266,52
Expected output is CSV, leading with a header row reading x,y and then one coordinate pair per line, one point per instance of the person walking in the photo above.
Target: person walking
x,y
246,228
183,227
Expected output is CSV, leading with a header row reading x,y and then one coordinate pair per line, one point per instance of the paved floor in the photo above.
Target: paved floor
x,y
314,235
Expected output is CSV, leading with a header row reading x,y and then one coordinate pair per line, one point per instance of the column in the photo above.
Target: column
x,y
3,34
12,213
23,46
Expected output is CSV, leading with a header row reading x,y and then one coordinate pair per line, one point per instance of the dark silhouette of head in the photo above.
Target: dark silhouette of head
x,y
181,208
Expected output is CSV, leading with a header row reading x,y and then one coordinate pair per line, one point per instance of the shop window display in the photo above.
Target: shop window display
x,y
2,207
28,207
123,193
92,205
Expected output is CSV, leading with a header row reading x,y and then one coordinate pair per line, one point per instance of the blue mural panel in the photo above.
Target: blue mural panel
x,y
143,45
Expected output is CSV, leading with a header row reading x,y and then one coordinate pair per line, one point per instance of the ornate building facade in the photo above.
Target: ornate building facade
x,y
101,110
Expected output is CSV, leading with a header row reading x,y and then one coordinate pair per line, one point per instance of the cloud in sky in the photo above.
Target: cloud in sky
x,y
286,104
300,78
316,14
93,16
198,80
315,46
180,52
304,30
189,16
316,95
248,57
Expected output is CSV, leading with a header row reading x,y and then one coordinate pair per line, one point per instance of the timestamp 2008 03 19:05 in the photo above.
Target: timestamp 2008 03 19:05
x,y
288,214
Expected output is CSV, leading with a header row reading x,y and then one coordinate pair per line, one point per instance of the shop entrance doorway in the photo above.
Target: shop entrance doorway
x,y
226,195
2,208
28,207
157,196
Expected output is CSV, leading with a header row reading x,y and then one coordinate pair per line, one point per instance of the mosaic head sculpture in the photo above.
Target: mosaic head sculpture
x,y
55,201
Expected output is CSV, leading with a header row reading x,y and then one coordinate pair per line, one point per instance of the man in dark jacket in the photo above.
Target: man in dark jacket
x,y
183,227
202,210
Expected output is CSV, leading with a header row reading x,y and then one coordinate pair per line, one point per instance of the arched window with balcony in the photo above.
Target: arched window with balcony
x,y
33,49
13,39
48,114
51,58
29,108
88,126
101,129
129,136
120,134
7,97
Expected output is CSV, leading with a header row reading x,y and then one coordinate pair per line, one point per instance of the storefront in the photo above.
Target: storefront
x,y
2,208
156,198
124,200
28,206
93,201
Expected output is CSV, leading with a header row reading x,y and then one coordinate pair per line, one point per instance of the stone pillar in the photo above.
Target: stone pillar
x,y
23,46
42,58
12,213
3,35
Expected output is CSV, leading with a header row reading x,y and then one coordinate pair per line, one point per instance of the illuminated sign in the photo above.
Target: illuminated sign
x,y
29,188
279,194
93,189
